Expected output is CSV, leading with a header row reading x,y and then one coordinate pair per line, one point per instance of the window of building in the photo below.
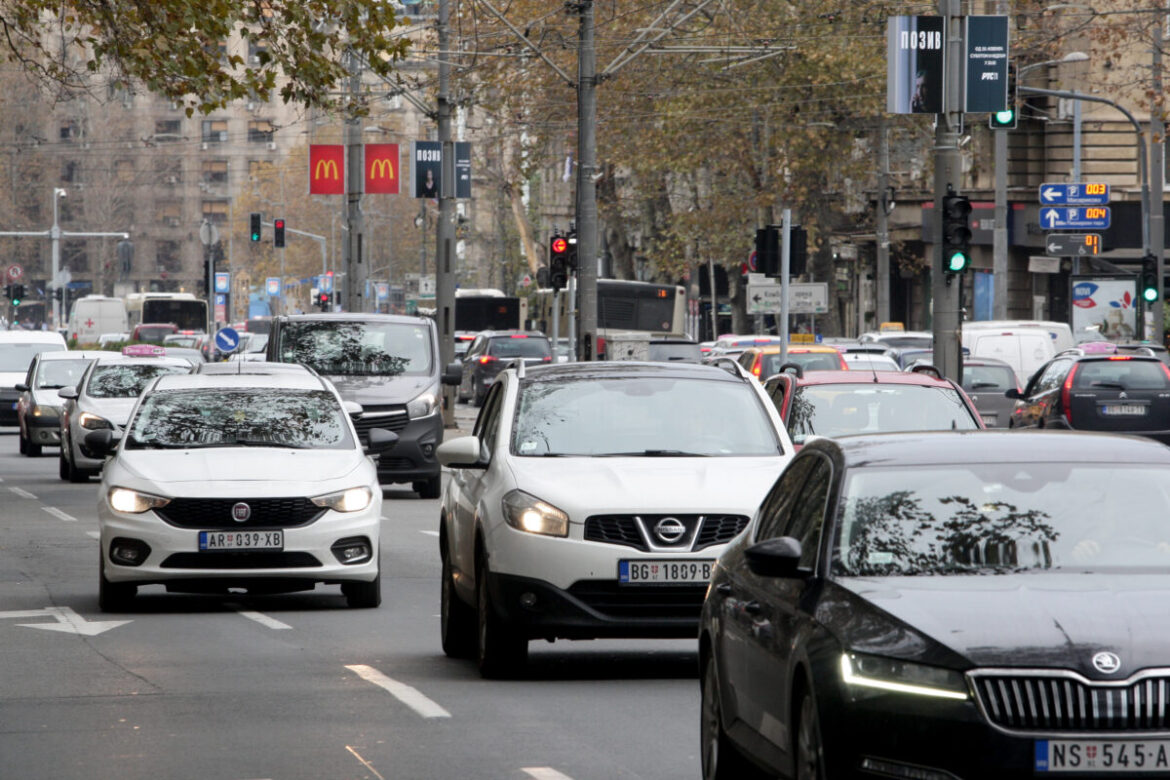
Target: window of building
x,y
167,131
260,131
166,256
255,49
215,171
215,131
215,211
71,171
124,170
169,214
69,130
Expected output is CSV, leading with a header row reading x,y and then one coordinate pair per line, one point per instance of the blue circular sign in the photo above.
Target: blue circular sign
x,y
226,339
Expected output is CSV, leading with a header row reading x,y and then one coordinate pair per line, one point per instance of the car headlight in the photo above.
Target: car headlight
x,y
92,422
891,674
353,499
45,411
133,502
423,405
529,513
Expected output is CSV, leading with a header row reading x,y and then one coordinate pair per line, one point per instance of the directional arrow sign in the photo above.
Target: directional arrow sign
x,y
1074,194
1075,217
68,621
1073,244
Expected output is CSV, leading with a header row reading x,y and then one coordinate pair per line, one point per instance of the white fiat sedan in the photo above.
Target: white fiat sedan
x,y
593,499
252,481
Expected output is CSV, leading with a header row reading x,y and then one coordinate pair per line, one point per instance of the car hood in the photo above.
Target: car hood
x,y
1013,620
116,410
280,468
373,390
47,398
592,486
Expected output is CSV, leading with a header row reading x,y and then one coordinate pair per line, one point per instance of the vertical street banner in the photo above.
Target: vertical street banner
x,y
462,169
914,65
426,168
381,166
986,64
326,169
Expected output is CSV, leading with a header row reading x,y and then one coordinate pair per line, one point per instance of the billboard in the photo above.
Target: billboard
x,y
426,168
1107,304
914,65
381,169
326,169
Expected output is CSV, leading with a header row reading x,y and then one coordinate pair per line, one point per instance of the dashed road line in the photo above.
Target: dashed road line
x,y
57,513
262,619
409,696
93,534
23,493
544,773
430,533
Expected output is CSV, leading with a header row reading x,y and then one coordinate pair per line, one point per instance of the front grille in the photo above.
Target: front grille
x,y
211,513
637,531
240,560
641,602
395,464
392,418
1065,702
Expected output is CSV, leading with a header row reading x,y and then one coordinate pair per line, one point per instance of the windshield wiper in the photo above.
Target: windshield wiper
x,y
653,454
265,443
151,444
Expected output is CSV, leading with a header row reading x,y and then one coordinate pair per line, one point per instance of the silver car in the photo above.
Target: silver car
x,y
38,408
103,398
986,380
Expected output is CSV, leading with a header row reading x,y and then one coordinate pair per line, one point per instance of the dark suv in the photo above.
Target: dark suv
x,y
1095,392
492,352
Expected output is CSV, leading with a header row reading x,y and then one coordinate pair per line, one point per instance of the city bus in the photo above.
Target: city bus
x,y
488,309
626,311
183,309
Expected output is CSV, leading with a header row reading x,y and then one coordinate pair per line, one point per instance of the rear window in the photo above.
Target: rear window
x,y
984,378
845,409
519,347
808,361
1121,375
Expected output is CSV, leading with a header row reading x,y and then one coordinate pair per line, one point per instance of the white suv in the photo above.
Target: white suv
x,y
592,500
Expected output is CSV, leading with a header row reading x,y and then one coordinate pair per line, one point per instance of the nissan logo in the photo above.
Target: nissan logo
x,y
241,512
669,529
1106,663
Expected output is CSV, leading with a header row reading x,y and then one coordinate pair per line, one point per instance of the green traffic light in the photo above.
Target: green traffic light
x,y
1004,117
1150,294
957,263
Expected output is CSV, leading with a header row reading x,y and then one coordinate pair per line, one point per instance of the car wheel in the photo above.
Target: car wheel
x,y
429,488
74,474
32,450
22,443
114,596
501,651
721,759
808,751
363,595
62,466
456,620
478,393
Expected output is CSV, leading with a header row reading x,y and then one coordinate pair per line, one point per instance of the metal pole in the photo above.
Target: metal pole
x,y
883,228
574,353
946,289
556,318
785,260
55,236
714,299
999,261
353,260
444,270
1157,180
586,188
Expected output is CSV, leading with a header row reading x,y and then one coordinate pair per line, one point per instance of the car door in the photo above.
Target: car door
x,y
1043,394
471,484
469,363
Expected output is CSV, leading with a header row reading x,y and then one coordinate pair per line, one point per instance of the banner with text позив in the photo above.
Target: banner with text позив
x,y
326,169
426,168
914,78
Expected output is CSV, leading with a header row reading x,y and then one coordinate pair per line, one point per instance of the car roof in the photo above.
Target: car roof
x,y
75,354
334,316
991,446
284,381
31,337
619,369
253,368
798,347
985,361
494,333
118,357
866,377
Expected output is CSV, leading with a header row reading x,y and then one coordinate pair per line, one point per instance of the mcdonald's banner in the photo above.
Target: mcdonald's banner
x,y
381,169
326,169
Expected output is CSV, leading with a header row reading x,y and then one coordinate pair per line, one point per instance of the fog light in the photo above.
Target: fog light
x,y
352,551
528,600
898,769
129,552
428,450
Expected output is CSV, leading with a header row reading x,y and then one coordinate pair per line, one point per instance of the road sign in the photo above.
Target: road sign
x,y
810,298
272,285
226,339
223,282
753,261
1075,217
208,233
325,283
1074,194
1073,244
14,272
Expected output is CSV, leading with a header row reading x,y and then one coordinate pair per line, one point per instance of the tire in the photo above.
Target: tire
x,y
501,652
62,466
457,624
23,444
429,488
363,595
477,393
114,596
807,748
721,759
74,474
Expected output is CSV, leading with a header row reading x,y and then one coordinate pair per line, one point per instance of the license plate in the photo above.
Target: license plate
x,y
1102,756
241,540
663,572
1118,410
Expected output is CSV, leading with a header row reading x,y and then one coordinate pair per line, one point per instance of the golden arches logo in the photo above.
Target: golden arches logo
x,y
382,168
330,170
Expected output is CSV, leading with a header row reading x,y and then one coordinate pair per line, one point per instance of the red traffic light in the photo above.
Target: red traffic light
x,y
279,224
560,245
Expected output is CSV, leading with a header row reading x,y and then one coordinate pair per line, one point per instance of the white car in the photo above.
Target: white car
x,y
247,481
592,501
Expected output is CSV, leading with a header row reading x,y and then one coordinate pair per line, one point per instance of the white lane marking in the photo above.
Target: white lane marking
x,y
57,513
93,534
23,493
365,763
430,533
544,773
262,619
409,696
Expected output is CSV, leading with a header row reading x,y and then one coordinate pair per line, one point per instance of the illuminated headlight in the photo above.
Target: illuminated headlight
x,y
351,500
529,513
133,502
890,674
92,422
422,406
45,411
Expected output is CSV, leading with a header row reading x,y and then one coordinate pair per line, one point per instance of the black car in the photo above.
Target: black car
x,y
1097,392
946,605
492,352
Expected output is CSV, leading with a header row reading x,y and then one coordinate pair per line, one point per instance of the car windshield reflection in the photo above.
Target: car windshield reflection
x,y
844,409
126,381
357,348
55,374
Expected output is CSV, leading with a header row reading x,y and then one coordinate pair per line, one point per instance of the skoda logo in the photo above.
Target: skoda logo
x,y
241,512
1106,663
669,529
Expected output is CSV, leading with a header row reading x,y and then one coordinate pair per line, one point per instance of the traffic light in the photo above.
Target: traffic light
x,y
323,301
278,233
956,232
558,262
768,250
8,291
1008,118
255,219
797,250
1149,281
17,294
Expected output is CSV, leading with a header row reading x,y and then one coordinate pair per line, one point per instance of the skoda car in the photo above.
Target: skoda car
x,y
38,409
946,605
247,481
592,499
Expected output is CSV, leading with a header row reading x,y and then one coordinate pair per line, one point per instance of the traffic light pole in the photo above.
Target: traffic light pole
x,y
586,185
445,233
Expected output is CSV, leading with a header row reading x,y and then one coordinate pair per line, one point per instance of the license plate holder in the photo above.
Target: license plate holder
x,y
234,541
664,571
1102,756
1124,410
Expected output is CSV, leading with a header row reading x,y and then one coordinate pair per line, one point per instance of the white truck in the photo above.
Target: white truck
x,y
94,315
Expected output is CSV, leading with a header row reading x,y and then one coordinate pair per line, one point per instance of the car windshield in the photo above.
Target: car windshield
x,y
257,342
988,378
357,348
899,342
1001,517
55,374
808,361
667,351
652,416
1121,375
153,334
844,409
864,361
519,346
116,380
16,357
307,419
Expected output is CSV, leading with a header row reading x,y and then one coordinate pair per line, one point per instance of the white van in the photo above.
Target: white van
x,y
1025,349
94,315
17,349
1061,333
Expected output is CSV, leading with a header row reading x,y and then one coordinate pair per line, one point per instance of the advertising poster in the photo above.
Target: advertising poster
x,y
426,168
987,63
381,166
914,75
326,169
1107,304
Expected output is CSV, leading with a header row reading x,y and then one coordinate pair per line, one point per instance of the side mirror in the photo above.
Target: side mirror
x,y
102,443
353,409
380,439
21,386
453,373
778,557
1013,392
67,392
792,368
461,453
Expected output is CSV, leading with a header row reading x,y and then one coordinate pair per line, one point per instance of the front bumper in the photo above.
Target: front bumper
x,y
44,430
412,457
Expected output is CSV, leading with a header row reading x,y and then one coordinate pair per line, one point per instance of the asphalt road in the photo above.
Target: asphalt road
x,y
299,686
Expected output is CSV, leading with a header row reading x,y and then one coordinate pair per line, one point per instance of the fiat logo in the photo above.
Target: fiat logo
x,y
1106,663
241,512
669,529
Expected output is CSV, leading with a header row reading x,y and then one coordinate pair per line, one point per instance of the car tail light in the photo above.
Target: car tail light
x,y
1065,392
1118,357
519,336
487,359
546,359
756,368
600,347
